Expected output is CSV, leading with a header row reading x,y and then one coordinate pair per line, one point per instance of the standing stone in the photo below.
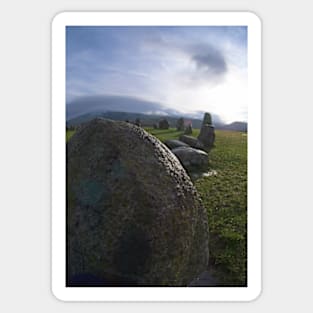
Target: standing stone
x,y
207,119
188,130
180,124
207,134
133,214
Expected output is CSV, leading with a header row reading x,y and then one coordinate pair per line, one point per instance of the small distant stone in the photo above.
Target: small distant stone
x,y
180,124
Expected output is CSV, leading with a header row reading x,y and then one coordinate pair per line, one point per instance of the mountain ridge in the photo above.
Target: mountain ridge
x,y
148,120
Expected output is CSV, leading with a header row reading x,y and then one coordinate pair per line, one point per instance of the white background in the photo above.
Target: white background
x,y
25,154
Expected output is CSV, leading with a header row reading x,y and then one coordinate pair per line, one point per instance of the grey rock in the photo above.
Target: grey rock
x,y
191,141
191,157
133,214
180,124
172,143
207,136
207,119
188,130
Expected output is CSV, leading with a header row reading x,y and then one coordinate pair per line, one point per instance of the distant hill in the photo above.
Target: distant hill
x,y
105,103
236,126
84,109
94,105
147,120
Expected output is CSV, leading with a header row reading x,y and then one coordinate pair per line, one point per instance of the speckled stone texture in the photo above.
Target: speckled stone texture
x,y
133,214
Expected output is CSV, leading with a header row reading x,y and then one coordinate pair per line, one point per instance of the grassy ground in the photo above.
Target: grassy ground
x,y
225,198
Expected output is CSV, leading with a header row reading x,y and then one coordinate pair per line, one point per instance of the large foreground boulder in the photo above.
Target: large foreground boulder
x,y
133,214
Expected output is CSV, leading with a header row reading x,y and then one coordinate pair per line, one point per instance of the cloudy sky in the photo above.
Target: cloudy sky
x,y
187,69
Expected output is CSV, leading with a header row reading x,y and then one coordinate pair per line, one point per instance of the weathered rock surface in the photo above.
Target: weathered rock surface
x,y
191,141
172,143
191,157
132,211
207,136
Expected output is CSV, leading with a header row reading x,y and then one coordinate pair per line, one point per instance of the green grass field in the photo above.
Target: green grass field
x,y
225,198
